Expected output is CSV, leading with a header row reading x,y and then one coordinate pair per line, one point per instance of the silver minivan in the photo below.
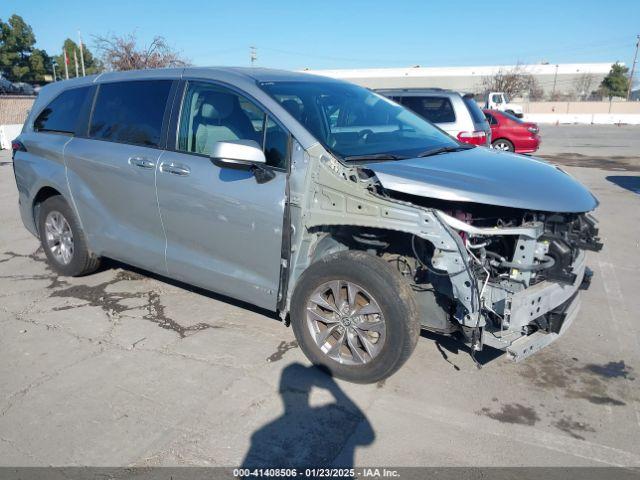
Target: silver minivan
x,y
353,218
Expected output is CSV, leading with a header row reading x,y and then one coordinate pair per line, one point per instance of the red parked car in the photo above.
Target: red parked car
x,y
512,134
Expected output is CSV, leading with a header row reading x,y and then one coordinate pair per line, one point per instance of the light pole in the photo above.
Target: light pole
x,y
555,78
633,68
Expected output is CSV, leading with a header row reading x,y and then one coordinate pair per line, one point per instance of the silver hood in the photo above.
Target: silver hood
x,y
481,175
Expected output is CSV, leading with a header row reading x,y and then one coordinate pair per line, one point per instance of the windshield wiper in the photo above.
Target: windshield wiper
x,y
436,151
374,156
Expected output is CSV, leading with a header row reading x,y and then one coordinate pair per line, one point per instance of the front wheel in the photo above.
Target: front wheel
x,y
503,144
354,315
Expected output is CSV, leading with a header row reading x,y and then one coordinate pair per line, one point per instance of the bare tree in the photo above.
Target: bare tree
x,y
535,91
582,85
514,81
123,53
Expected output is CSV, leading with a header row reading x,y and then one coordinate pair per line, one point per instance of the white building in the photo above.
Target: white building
x,y
566,77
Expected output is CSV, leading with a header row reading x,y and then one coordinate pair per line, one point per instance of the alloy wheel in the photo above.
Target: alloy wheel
x,y
346,322
59,237
504,146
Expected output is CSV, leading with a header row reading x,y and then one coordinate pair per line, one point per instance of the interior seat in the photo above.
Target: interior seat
x,y
221,118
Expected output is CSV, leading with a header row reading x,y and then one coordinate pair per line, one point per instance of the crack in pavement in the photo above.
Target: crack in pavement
x,y
109,302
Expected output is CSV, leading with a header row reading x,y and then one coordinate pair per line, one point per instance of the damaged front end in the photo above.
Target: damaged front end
x,y
502,275
528,269
523,252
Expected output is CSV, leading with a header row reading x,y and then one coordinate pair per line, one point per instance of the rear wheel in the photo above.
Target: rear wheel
x,y
356,316
503,144
63,240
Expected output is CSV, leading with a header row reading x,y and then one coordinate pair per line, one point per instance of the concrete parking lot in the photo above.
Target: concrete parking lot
x,y
122,368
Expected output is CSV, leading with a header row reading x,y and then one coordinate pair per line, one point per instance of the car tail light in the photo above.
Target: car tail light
x,y
16,146
474,138
533,129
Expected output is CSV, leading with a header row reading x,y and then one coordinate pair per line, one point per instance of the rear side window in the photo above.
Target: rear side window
x,y
434,109
130,112
474,110
61,115
491,119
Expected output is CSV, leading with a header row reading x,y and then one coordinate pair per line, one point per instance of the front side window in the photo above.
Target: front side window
x,y
212,114
130,112
351,121
61,115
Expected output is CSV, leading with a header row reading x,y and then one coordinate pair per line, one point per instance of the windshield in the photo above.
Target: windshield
x,y
351,121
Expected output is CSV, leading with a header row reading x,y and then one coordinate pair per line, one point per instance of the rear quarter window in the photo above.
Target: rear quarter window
x,y
434,109
61,115
130,112
474,110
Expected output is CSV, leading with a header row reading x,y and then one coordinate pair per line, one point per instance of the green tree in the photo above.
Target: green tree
x,y
16,45
616,82
91,64
39,66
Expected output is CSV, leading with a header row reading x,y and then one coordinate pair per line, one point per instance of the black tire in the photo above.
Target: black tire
x,y
503,144
82,261
391,292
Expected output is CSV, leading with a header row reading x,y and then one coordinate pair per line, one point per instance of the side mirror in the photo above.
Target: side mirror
x,y
238,153
242,154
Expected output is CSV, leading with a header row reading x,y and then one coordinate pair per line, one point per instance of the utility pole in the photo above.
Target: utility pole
x,y
253,55
633,68
81,53
53,65
555,78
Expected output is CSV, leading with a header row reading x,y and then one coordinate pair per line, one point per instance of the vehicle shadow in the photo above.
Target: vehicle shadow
x,y
307,436
453,344
110,264
631,183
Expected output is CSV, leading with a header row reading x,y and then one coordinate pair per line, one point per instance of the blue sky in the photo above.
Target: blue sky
x,y
351,34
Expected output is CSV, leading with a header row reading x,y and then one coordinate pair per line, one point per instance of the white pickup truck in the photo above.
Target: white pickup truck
x,y
500,101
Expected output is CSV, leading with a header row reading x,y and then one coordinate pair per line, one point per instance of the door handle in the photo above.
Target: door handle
x,y
141,162
175,169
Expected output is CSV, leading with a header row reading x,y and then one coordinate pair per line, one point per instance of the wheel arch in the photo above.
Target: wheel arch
x,y
44,193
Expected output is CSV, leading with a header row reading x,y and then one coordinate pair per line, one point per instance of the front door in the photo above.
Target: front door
x,y
111,172
223,228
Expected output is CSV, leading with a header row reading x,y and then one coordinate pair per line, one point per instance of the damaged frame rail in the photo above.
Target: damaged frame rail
x,y
322,194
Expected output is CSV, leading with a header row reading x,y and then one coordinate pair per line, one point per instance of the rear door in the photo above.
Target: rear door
x,y
111,171
223,228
